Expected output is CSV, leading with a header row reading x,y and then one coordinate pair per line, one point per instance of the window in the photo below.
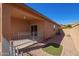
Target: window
x,y
54,26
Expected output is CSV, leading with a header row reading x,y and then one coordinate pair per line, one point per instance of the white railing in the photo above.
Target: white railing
x,y
26,35
23,38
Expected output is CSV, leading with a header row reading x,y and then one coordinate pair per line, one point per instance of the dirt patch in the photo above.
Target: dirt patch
x,y
69,48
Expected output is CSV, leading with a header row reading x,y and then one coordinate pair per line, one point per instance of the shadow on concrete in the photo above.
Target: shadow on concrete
x,y
31,48
57,39
52,44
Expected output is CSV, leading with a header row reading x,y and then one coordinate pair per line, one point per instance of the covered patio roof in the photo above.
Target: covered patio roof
x,y
29,12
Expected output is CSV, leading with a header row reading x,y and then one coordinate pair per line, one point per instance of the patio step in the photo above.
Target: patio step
x,y
26,45
23,43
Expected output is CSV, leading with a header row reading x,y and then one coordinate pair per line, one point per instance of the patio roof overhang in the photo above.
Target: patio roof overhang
x,y
28,12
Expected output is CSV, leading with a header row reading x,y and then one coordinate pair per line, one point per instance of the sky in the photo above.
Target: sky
x,y
62,13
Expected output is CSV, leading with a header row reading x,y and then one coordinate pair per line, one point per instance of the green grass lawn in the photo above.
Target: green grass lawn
x,y
56,51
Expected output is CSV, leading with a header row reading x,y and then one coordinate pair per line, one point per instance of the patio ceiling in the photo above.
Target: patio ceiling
x,y
17,13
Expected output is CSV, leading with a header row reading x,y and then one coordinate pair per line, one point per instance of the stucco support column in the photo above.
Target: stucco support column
x,y
6,21
6,24
0,29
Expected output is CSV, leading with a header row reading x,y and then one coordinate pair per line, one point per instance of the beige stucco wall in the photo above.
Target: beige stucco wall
x,y
0,29
0,20
49,29
6,21
45,28
18,25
